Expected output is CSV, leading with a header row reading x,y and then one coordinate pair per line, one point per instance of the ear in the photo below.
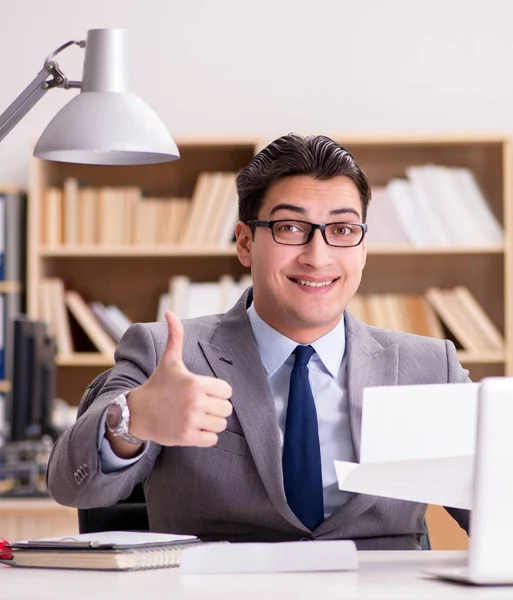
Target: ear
x,y
243,243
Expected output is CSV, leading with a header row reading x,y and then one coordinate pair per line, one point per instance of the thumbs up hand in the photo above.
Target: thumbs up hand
x,y
175,407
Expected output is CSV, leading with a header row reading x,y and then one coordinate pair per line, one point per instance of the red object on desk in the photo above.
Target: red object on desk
x,y
5,550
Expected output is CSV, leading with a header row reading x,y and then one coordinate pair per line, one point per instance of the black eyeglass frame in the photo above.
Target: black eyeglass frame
x,y
321,226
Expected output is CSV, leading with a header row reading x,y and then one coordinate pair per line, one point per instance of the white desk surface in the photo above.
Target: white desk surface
x,y
392,575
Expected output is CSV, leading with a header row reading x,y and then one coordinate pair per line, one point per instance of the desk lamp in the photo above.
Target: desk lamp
x,y
104,124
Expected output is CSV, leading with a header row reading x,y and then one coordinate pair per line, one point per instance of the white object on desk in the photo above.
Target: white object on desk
x,y
415,422
279,557
114,538
444,482
392,574
491,521
418,444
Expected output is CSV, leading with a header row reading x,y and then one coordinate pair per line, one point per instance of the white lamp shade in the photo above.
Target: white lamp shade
x,y
107,128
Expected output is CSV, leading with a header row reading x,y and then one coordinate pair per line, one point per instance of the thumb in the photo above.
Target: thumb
x,y
173,350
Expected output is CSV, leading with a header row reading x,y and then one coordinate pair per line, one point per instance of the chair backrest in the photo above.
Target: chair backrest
x,y
128,514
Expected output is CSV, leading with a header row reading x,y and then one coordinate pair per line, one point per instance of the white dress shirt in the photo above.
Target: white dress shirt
x,y
327,374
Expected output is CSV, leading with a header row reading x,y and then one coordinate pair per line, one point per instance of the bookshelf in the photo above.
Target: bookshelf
x,y
132,277
485,271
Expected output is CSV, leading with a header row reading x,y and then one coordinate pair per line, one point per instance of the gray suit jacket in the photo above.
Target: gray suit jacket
x,y
234,490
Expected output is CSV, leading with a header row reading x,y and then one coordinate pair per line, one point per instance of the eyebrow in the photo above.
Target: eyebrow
x,y
301,211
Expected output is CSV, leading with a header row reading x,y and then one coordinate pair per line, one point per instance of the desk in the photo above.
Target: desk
x,y
390,575
22,518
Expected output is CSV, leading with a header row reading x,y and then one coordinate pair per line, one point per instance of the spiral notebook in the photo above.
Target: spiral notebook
x,y
105,551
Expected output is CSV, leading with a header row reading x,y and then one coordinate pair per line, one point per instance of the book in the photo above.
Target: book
x,y
103,551
85,317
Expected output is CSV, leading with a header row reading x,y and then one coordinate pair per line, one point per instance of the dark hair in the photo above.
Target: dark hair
x,y
315,155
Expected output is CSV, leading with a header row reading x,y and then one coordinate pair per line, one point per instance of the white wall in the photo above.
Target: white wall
x,y
267,67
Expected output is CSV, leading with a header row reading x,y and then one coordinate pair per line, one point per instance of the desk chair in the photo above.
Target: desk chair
x,y
128,514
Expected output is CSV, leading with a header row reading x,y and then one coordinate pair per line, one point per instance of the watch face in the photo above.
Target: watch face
x,y
113,417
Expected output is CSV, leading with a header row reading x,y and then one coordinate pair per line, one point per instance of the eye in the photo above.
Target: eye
x,y
342,229
288,227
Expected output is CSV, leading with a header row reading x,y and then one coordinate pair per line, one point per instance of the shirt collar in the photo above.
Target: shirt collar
x,y
274,348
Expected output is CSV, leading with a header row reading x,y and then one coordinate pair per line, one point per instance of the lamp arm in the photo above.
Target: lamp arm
x,y
49,77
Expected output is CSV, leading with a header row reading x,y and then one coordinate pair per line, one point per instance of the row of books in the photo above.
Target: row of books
x,y
71,319
190,299
431,314
70,316
123,216
435,206
457,309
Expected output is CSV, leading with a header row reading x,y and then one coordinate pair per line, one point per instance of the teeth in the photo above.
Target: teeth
x,y
312,284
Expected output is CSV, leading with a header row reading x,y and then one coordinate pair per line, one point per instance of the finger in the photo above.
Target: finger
x,y
217,407
206,422
174,345
215,387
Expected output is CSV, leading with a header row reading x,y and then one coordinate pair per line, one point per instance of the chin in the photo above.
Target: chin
x,y
318,321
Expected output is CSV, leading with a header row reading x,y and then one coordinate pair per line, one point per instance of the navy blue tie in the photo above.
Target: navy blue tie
x,y
302,473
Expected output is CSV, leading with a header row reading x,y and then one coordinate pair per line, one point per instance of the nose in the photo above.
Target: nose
x,y
316,254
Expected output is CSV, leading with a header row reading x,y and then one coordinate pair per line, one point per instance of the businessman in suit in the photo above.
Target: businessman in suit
x,y
233,421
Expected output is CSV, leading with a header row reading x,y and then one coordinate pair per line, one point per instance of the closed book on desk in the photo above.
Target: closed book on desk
x,y
105,551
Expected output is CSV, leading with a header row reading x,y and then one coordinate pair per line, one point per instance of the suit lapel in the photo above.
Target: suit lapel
x,y
233,356
369,363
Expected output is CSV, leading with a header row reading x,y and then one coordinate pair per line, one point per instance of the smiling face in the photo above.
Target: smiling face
x,y
301,291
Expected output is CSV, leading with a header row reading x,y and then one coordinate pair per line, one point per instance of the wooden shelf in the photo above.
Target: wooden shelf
x,y
159,251
483,357
407,251
84,359
135,251
99,273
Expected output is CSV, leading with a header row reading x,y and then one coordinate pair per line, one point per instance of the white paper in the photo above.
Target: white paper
x,y
337,555
124,538
409,422
444,481
418,443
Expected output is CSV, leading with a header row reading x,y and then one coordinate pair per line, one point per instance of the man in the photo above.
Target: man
x,y
233,421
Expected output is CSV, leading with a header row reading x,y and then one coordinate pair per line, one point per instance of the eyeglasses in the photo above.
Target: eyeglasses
x,y
300,233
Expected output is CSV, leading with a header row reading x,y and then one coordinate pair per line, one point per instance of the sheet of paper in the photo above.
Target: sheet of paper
x,y
443,481
336,555
418,443
409,422
122,538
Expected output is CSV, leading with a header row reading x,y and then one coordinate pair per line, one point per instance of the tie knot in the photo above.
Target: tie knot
x,y
303,355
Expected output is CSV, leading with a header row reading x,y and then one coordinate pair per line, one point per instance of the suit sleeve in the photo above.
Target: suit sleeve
x,y
457,374
74,475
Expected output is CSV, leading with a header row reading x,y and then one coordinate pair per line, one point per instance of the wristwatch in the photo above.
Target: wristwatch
x,y
118,420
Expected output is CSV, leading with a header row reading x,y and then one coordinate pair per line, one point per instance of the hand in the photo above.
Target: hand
x,y
176,407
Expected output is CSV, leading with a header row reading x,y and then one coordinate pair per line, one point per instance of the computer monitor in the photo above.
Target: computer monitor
x,y
33,380
491,522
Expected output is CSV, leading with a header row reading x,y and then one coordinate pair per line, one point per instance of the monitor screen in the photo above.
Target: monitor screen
x,y
33,380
